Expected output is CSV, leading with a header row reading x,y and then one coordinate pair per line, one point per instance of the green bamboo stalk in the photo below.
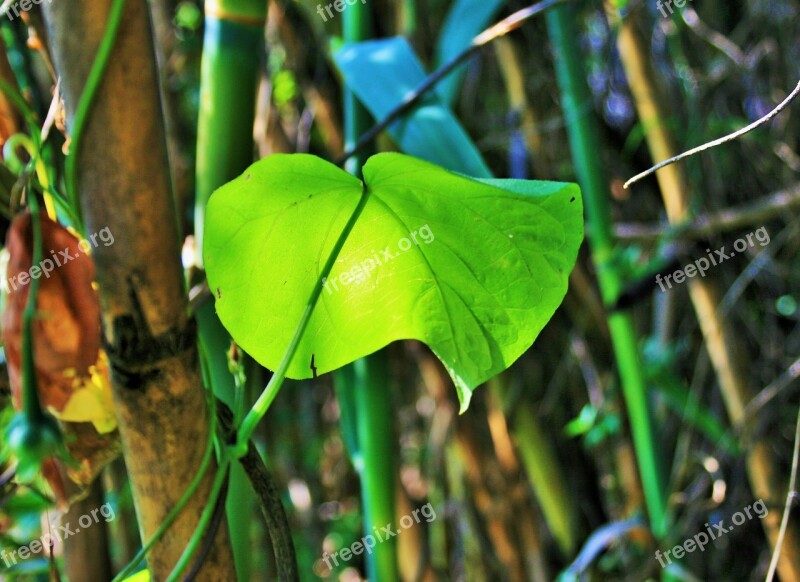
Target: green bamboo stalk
x,y
232,48
585,148
362,388
363,393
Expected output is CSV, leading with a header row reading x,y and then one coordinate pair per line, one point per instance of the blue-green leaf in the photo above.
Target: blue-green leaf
x,y
382,73
466,19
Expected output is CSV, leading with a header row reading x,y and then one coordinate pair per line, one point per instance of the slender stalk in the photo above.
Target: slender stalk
x,y
39,151
270,501
31,406
150,339
205,518
540,462
363,388
719,141
356,27
259,409
84,103
190,490
584,145
776,554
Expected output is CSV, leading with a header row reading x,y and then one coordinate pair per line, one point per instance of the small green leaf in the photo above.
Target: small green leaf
x,y
474,269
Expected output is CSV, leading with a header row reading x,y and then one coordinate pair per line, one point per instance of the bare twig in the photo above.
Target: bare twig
x,y
702,226
270,501
767,394
712,144
711,36
790,494
495,31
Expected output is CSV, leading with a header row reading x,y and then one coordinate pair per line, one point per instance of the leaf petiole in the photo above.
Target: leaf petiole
x,y
259,409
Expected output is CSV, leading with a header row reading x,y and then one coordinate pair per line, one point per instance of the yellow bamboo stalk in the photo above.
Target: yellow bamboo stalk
x,y
124,185
511,68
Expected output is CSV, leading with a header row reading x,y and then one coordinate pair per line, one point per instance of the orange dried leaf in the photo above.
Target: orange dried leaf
x,y
67,324
71,369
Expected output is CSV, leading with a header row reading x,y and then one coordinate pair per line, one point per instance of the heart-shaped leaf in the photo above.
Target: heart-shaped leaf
x,y
472,268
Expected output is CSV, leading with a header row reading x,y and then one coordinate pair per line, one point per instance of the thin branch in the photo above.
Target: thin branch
x,y
767,394
269,500
757,212
712,37
742,431
790,494
712,144
493,32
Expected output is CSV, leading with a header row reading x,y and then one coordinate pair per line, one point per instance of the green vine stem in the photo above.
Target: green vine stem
x,y
259,409
33,435
84,104
35,148
205,518
31,406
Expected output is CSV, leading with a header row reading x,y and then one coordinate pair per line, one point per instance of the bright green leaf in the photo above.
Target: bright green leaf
x,y
473,269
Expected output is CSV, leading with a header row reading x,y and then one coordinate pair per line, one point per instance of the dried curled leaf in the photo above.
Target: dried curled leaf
x,y
67,326
72,370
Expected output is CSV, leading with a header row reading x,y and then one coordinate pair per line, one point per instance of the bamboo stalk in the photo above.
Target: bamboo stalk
x,y
511,67
540,463
232,45
87,557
